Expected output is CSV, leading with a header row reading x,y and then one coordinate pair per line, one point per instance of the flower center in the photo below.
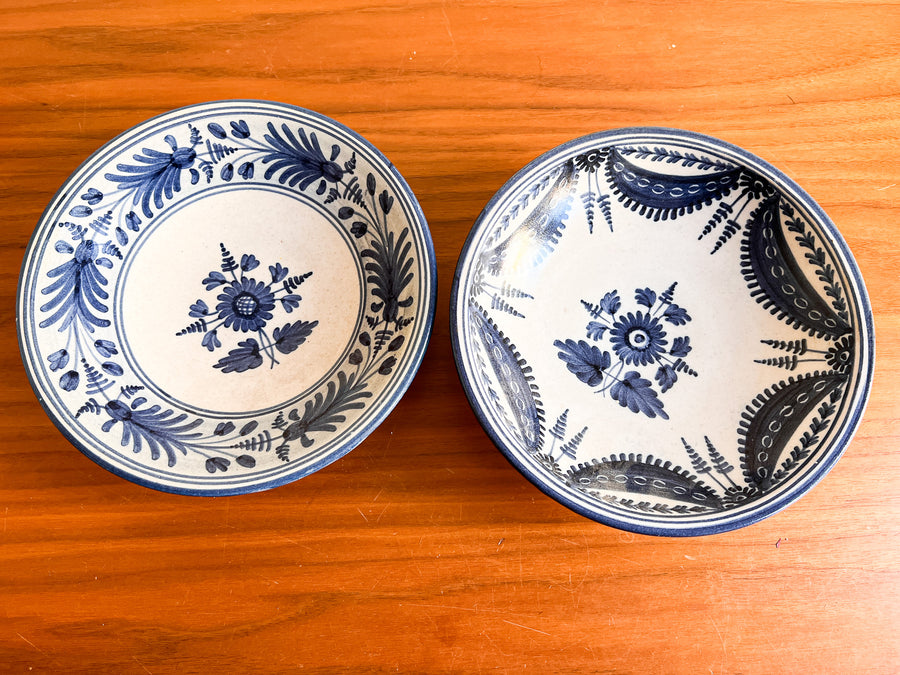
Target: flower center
x,y
637,338
245,305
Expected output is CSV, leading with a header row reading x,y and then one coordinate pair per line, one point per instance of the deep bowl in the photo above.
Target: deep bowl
x,y
662,332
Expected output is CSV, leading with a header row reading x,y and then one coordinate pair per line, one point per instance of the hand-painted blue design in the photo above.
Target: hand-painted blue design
x,y
245,305
324,412
154,426
78,290
665,196
637,339
662,196
157,174
773,417
242,302
839,356
513,375
557,432
595,197
300,162
649,477
388,264
163,432
532,240
778,281
560,445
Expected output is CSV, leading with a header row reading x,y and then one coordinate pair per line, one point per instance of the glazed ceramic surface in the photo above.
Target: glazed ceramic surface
x,y
226,297
662,332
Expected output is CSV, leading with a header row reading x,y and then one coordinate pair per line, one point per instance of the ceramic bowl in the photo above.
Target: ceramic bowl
x,y
226,297
662,332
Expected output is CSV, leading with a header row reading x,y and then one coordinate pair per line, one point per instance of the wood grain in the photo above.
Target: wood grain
x,y
423,550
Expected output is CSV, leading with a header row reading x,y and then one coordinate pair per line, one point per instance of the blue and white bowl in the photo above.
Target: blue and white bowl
x,y
226,297
662,332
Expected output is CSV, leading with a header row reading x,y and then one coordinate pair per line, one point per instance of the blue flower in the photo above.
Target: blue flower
x,y
245,305
638,339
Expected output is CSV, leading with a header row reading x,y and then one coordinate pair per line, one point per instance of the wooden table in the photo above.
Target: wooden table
x,y
423,550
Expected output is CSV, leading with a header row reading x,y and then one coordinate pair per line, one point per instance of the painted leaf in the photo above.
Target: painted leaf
x,y
636,475
778,282
666,377
681,346
772,418
636,393
292,335
662,196
513,377
645,297
587,362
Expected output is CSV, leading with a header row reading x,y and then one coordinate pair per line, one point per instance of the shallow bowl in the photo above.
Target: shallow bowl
x,y
226,297
662,332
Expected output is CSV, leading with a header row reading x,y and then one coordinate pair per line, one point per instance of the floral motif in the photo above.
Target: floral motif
x,y
591,160
637,339
840,355
242,303
157,174
245,306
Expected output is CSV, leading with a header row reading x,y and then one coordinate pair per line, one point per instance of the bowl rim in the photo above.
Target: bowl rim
x,y
361,433
780,501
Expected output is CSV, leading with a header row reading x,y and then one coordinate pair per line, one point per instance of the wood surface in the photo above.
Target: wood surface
x,y
423,550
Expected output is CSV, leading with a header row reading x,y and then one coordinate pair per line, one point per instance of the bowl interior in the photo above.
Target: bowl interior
x,y
227,297
662,332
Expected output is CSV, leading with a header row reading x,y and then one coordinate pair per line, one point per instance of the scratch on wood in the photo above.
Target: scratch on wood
x,y
511,623
32,644
362,514
455,56
141,665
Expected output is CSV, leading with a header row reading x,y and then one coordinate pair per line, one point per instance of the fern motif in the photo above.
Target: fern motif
x,y
325,411
76,231
101,224
816,255
723,211
292,283
787,362
97,381
390,273
558,430
354,193
570,448
797,347
669,156
647,507
160,430
262,442
89,406
217,151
